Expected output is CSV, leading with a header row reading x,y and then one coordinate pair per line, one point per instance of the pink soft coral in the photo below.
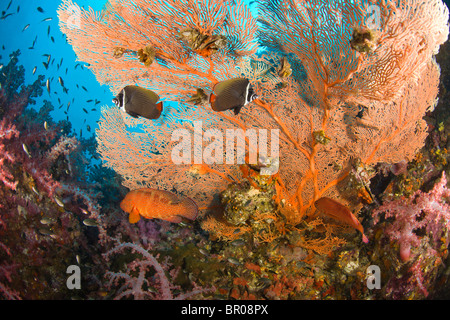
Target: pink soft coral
x,y
428,211
134,286
7,131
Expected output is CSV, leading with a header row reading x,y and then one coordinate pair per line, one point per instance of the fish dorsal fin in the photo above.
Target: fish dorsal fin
x,y
143,102
141,93
230,84
230,94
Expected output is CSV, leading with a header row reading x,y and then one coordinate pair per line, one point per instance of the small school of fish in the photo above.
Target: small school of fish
x,y
230,94
49,60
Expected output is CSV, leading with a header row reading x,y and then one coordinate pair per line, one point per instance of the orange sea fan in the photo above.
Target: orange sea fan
x,y
338,106
110,42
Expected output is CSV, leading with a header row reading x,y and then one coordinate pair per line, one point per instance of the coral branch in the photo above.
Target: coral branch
x,y
134,286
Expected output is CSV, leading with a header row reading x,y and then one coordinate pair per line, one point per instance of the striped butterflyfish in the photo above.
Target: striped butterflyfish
x,y
139,102
232,94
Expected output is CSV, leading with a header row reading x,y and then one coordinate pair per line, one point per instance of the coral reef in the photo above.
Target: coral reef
x,y
350,123
37,235
348,103
334,123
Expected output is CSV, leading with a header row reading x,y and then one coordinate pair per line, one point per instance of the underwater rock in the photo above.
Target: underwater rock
x,y
242,201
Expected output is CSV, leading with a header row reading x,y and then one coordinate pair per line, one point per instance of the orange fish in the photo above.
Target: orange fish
x,y
160,204
338,211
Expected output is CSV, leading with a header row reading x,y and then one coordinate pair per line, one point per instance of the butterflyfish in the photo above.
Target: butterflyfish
x,y
232,94
139,102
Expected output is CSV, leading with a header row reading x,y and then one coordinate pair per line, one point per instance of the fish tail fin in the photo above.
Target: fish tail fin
x,y
212,99
191,214
134,216
364,238
159,106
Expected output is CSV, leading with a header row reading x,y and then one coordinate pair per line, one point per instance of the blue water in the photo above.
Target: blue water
x,y
14,37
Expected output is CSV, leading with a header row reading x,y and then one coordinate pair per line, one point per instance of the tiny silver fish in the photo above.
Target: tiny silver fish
x,y
263,282
47,220
152,290
234,261
184,225
59,202
90,222
25,148
35,190
237,242
46,231
21,210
